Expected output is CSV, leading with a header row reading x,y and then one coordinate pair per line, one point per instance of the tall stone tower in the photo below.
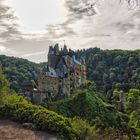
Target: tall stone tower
x,y
53,56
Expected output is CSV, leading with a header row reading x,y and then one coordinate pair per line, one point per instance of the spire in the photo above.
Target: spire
x,y
71,52
65,50
62,69
56,49
51,50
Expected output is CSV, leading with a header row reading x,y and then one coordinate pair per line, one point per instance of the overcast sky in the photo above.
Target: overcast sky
x,y
28,27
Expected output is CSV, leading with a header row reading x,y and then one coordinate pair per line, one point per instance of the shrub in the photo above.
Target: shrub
x,y
43,119
89,105
83,128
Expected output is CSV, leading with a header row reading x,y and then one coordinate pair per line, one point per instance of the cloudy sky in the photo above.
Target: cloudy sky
x,y
28,27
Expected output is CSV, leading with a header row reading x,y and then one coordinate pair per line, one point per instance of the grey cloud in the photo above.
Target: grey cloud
x,y
9,29
124,26
28,48
133,4
97,35
102,35
131,26
60,30
15,42
77,10
81,7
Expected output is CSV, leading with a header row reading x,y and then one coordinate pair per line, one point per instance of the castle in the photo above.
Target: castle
x,y
63,73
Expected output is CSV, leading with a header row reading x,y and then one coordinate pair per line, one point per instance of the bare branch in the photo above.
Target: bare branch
x,y
133,4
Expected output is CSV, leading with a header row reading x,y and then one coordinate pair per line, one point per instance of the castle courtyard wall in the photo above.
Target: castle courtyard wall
x,y
49,84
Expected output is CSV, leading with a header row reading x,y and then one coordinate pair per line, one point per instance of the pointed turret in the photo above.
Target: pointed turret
x,y
61,68
53,55
56,49
71,52
51,50
65,50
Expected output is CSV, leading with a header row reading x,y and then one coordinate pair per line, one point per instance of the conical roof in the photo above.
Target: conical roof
x,y
61,68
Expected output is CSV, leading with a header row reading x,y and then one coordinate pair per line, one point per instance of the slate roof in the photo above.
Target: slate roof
x,y
65,50
50,72
61,68
51,50
74,61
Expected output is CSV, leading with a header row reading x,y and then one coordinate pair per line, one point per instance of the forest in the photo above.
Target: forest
x,y
18,71
110,99
112,69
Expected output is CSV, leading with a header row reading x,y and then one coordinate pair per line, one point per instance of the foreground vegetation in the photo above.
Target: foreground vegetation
x,y
43,119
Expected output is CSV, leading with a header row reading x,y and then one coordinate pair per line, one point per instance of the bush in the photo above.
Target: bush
x,y
4,86
43,119
90,106
83,128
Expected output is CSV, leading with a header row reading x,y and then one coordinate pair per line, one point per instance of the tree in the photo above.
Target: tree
x,y
133,100
4,86
134,122
18,70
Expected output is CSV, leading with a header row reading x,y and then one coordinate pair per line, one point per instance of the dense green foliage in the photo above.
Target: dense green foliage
x,y
133,100
18,109
112,69
91,106
4,87
133,109
18,71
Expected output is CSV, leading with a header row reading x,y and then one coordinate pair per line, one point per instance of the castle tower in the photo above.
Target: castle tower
x,y
66,56
65,50
53,56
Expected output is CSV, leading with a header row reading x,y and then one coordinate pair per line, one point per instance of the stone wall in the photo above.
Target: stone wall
x,y
38,97
49,84
53,60
66,86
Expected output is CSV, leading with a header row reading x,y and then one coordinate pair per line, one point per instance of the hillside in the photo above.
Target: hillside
x,y
112,69
92,106
18,71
